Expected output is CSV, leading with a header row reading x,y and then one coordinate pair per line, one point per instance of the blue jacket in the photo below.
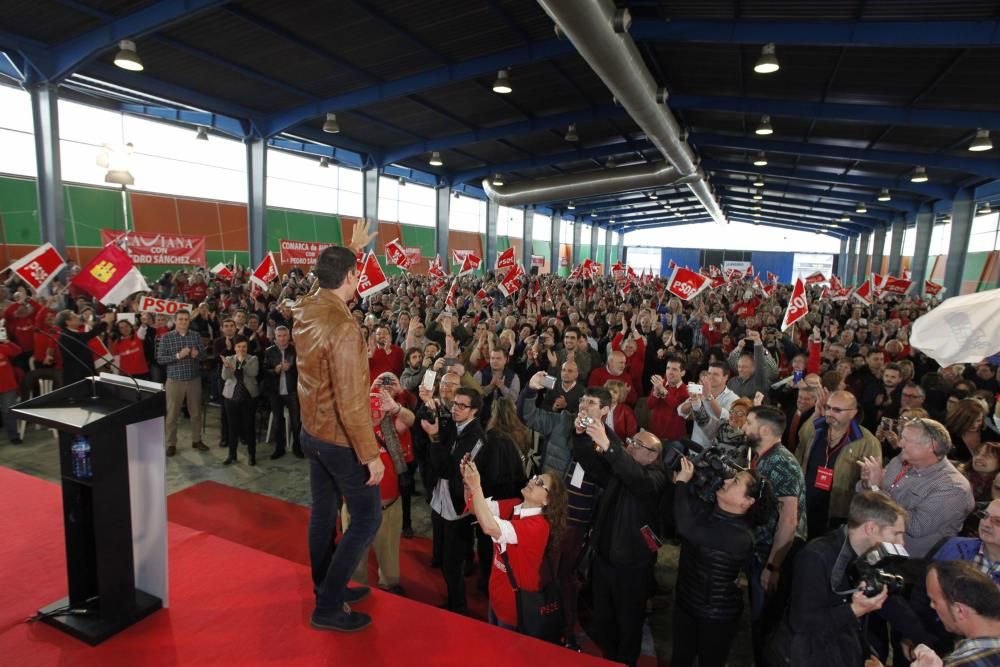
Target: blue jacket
x,y
962,548
556,429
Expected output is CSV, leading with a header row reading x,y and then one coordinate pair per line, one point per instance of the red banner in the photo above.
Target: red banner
x,y
814,278
932,289
173,249
686,283
150,304
538,260
39,267
798,305
893,285
300,253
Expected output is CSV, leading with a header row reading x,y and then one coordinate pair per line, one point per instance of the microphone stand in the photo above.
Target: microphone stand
x,y
93,377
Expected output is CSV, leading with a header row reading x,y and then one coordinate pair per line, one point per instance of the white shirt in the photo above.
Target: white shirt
x,y
725,399
441,496
507,533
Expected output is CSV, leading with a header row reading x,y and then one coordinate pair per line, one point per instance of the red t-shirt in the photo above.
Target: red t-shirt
x,y
131,355
8,374
389,486
382,362
525,558
21,329
196,293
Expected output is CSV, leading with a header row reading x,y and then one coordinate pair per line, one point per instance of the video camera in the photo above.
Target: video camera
x,y
712,466
883,565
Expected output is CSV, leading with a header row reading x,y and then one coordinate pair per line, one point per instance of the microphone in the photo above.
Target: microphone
x,y
93,378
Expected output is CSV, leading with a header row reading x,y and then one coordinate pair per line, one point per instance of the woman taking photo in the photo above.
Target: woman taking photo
x,y
522,530
717,541
239,372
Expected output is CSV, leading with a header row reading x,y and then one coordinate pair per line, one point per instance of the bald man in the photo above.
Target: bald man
x,y
829,450
614,369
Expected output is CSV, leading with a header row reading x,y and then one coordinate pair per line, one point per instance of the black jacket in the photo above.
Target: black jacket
x,y
715,548
500,465
630,499
447,453
269,379
77,357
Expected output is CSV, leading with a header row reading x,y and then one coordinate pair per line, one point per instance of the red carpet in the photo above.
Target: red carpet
x,y
230,604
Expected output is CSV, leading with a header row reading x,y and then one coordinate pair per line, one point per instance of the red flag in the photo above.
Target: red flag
x,y
222,271
265,272
893,285
111,276
435,269
469,264
769,289
798,305
932,289
825,294
835,284
630,273
686,283
717,282
506,259
452,293
372,278
749,272
865,292
671,265
39,266
814,278
395,254
771,277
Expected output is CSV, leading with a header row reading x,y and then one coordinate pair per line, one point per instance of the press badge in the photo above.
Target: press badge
x,y
577,478
824,478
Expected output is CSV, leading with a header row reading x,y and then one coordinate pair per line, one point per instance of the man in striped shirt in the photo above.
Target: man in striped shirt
x,y
180,352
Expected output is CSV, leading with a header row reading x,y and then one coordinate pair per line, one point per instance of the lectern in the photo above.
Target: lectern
x,y
109,546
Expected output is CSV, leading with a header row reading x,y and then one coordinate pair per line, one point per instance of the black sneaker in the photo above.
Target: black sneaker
x,y
16,441
342,621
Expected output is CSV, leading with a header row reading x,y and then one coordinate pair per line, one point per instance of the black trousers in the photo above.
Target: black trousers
x,y
484,547
620,593
707,640
278,405
240,422
456,541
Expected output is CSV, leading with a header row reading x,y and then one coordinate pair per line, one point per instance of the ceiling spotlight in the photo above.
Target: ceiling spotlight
x,y
402,182
330,125
883,195
571,134
758,182
845,218
653,196
593,214
324,162
117,160
497,180
435,160
758,207
760,160
127,58
919,175
610,164
570,206
765,126
758,196
457,195
502,83
982,141
861,209
945,219
985,209
768,61
202,134
666,206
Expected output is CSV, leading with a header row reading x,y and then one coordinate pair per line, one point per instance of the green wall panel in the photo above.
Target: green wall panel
x,y
19,211
300,226
975,262
88,211
422,237
584,252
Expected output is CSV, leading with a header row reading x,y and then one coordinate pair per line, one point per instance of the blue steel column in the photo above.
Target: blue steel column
x,y
963,210
621,246
45,115
922,247
256,196
529,231
577,240
878,249
594,239
896,246
607,251
852,260
842,261
862,271
556,241
369,203
492,211
442,210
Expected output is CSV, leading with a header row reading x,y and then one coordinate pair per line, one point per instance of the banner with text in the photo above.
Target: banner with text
x,y
301,253
175,249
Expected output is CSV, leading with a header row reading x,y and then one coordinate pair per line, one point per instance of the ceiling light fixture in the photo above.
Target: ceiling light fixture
x,y
402,182
570,206
919,175
760,160
324,162
845,218
502,83
883,195
202,134
117,160
982,142
758,182
653,196
127,58
593,214
765,126
435,160
610,164
861,208
758,207
497,180
571,135
768,61
330,125
945,219
985,209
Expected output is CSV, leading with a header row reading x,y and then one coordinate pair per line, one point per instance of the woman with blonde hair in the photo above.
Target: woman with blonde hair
x,y
621,417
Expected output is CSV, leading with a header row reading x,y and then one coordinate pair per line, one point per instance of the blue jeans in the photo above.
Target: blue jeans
x,y
334,473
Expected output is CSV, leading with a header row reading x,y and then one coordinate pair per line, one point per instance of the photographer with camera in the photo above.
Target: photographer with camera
x,y
713,401
622,543
716,542
836,586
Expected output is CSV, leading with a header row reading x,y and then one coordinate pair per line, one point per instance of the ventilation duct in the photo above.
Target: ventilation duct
x,y
592,26
579,186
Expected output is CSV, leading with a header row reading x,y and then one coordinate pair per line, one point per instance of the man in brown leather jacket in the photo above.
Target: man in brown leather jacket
x,y
337,437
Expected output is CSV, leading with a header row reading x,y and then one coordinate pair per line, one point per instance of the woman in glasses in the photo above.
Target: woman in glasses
x,y
522,531
716,542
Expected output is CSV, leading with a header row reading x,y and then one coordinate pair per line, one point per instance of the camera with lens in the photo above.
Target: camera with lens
x,y
712,466
886,565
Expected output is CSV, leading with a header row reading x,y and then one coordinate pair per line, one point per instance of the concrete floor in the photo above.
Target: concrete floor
x,y
288,479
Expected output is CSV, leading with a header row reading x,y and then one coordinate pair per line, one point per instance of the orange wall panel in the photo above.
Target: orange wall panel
x,y
154,214
232,226
464,241
387,231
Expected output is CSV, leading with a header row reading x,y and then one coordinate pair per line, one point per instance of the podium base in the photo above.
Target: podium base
x,y
94,628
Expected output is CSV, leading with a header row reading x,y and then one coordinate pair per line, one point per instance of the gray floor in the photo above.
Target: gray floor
x,y
288,479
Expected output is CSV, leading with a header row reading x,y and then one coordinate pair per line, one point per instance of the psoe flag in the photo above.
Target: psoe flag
x,y
39,266
111,276
686,283
798,305
963,329
265,272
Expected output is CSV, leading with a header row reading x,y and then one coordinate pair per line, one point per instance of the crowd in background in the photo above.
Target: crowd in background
x,y
595,404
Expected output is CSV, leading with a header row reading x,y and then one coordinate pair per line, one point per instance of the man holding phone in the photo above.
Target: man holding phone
x,y
565,392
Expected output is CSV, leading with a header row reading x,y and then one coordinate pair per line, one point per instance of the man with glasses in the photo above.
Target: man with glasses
x,y
984,551
921,479
433,409
913,397
633,478
461,440
830,450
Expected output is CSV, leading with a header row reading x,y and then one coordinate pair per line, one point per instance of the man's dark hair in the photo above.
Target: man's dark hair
x,y
502,351
333,265
237,339
893,366
721,365
873,506
962,582
601,394
676,359
575,330
773,417
475,398
182,311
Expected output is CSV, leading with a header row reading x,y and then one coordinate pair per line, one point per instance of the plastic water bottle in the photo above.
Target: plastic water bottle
x,y
80,450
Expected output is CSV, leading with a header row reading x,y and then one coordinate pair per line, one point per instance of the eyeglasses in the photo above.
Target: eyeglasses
x,y
912,395
738,413
460,406
839,410
983,515
538,481
632,442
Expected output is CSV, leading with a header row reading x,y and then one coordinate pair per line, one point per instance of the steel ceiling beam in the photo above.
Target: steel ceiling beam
x,y
865,113
784,189
794,217
942,34
989,168
747,206
308,148
798,228
217,122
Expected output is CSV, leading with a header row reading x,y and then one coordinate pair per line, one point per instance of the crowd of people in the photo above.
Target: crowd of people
x,y
562,434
